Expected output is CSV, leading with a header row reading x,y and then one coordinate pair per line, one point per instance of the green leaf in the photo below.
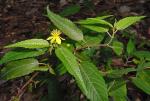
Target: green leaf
x,y
71,64
103,22
60,69
142,54
70,10
142,81
96,28
126,22
104,17
119,72
83,75
130,47
21,54
65,25
93,21
42,68
19,68
96,87
31,43
142,65
96,20
117,47
86,54
119,91
90,41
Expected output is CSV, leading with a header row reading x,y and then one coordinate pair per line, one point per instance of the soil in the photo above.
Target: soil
x,y
24,19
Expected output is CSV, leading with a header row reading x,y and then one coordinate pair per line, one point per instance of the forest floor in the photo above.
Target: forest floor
x,y
24,19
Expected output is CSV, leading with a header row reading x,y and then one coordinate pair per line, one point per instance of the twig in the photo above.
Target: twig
x,y
20,92
109,34
112,37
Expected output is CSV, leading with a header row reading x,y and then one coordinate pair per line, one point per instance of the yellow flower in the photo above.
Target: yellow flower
x,y
55,37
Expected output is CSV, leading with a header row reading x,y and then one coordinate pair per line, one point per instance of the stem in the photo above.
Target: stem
x,y
111,85
113,35
50,49
109,34
20,92
101,45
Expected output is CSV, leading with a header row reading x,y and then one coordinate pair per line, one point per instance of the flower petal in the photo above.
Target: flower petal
x,y
62,38
58,40
49,38
53,40
55,32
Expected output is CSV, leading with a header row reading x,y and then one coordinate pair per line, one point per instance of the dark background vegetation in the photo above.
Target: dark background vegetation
x,y
24,19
